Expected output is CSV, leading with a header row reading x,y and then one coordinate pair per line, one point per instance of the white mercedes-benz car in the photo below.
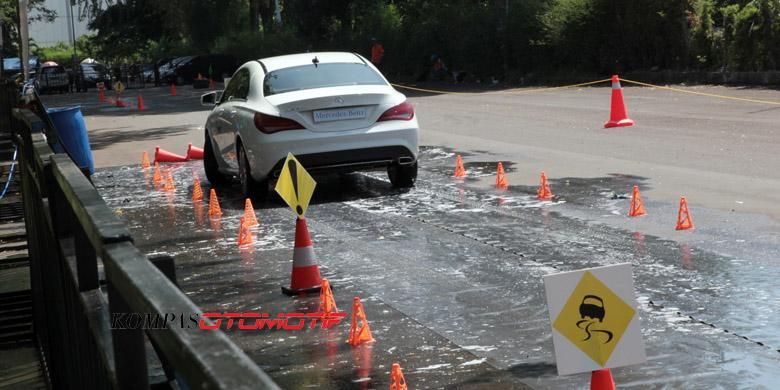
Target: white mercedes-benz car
x,y
334,111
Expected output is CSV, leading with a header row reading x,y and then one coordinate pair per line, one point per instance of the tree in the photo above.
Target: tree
x,y
37,11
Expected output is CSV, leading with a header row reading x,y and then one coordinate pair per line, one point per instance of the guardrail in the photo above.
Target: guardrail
x,y
73,238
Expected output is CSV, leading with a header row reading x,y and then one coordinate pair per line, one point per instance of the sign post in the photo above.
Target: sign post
x,y
594,318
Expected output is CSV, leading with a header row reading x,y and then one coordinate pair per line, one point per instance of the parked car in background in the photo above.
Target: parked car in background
x,y
147,72
52,77
12,66
333,111
89,74
183,70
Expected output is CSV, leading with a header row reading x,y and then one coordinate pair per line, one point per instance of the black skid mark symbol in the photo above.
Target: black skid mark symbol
x,y
588,330
294,177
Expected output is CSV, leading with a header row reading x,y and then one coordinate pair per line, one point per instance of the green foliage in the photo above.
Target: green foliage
x,y
508,38
10,18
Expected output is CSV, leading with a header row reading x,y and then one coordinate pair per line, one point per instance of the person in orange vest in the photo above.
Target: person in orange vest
x,y
377,52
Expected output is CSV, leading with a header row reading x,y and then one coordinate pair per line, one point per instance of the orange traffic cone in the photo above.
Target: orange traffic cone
x,y
157,178
362,334
141,106
544,193
637,208
101,95
397,381
197,192
200,76
460,171
120,103
602,380
214,209
249,213
169,182
327,303
618,116
194,152
173,89
145,161
163,155
305,270
244,234
684,220
501,182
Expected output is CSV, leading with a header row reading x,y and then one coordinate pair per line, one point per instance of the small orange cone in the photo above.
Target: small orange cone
x,y
163,155
637,208
501,182
460,171
684,220
141,106
169,182
305,276
157,178
327,303
101,95
397,381
362,334
602,380
249,213
145,161
173,89
244,234
618,116
544,193
194,152
214,209
197,192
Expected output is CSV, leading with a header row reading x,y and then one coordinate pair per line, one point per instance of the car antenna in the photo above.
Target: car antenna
x,y
315,61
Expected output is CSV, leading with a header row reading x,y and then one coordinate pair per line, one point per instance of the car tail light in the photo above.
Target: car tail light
x,y
401,112
271,124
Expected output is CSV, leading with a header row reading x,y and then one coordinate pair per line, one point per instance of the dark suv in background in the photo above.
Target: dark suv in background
x,y
183,70
91,74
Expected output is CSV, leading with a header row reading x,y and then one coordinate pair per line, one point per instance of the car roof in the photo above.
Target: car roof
x,y
290,60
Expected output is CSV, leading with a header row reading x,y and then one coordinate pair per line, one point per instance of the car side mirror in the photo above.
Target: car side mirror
x,y
210,99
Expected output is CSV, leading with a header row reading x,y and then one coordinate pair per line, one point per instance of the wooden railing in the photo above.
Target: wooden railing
x,y
85,268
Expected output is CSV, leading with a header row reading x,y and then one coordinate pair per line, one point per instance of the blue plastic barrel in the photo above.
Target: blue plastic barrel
x,y
73,135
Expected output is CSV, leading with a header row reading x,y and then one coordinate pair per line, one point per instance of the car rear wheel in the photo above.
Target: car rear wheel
x,y
210,164
251,188
402,176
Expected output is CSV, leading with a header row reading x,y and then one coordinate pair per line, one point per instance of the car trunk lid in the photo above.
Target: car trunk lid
x,y
333,108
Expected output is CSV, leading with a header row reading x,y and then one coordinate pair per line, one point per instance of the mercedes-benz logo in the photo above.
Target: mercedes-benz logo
x,y
339,100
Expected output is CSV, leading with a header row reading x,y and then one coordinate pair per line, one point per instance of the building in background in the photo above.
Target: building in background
x,y
65,28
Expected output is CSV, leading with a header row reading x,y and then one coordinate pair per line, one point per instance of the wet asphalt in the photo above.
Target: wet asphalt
x,y
450,274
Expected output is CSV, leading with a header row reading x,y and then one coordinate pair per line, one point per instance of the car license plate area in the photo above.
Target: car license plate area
x,y
340,114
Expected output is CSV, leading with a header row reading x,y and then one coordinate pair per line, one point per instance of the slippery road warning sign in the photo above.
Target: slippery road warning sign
x,y
594,319
295,185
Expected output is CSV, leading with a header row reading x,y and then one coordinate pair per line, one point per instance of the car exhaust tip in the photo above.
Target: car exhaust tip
x,y
405,160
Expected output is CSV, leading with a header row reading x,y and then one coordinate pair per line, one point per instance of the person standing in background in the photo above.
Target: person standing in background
x,y
377,52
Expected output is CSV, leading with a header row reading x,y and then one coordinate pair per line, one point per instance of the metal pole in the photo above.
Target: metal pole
x,y
24,36
71,26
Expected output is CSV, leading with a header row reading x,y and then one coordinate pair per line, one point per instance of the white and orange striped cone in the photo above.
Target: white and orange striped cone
x,y
305,270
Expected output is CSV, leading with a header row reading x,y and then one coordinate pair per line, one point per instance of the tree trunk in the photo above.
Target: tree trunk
x,y
254,10
267,9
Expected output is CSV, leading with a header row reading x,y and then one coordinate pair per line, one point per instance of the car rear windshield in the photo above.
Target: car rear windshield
x,y
323,75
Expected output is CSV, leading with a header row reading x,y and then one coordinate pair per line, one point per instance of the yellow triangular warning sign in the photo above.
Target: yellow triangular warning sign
x,y
295,185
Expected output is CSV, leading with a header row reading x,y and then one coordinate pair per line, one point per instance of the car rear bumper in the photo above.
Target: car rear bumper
x,y
383,144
